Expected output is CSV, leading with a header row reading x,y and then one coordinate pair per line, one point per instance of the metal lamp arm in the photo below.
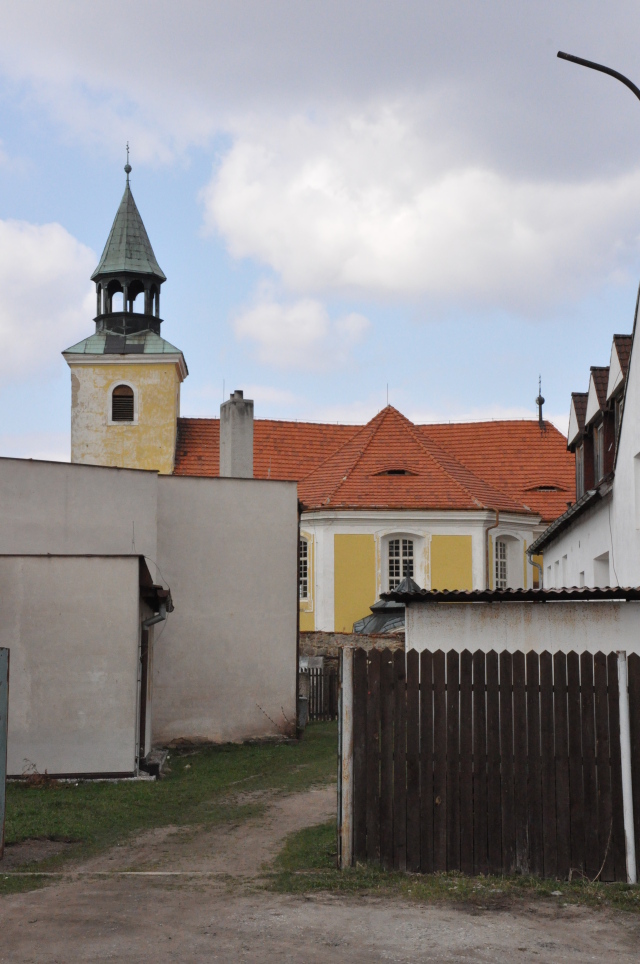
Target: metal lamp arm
x,y
604,70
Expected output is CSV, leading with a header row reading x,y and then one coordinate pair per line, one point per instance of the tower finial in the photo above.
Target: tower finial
x,y
540,403
127,167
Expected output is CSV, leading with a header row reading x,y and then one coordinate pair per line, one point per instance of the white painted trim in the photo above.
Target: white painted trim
x,y
615,372
593,405
625,759
120,381
176,359
574,427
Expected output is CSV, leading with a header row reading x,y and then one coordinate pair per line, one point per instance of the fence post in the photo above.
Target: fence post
x,y
345,776
4,716
625,759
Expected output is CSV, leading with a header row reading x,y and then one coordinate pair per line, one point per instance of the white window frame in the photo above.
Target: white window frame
x,y
401,559
116,384
303,571
500,567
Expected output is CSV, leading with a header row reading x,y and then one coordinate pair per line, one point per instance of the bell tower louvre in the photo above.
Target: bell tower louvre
x,y
125,378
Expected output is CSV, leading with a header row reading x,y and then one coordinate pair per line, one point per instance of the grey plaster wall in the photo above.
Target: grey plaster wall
x,y
58,507
226,660
72,627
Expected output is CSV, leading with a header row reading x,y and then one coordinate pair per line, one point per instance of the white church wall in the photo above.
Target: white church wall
x,y
225,665
72,627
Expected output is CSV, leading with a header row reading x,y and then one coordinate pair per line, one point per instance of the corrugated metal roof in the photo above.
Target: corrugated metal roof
x,y
513,595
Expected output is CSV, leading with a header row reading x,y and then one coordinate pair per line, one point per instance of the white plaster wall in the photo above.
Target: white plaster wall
x,y
589,538
226,660
595,627
421,525
72,628
58,507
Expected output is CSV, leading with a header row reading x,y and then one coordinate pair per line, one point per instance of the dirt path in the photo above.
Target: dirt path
x,y
193,920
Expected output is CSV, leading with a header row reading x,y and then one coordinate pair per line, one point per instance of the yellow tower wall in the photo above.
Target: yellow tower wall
x,y
354,574
451,562
150,442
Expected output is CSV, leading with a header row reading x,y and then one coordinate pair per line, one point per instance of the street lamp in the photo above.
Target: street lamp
x,y
604,70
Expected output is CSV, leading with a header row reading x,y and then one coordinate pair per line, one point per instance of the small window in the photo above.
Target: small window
x,y
598,452
580,471
304,569
501,564
122,404
400,561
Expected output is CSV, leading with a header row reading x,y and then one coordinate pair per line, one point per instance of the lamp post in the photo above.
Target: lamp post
x,y
604,70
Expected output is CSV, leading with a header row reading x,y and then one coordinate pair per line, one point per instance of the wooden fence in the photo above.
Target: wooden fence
x,y
323,693
4,711
487,763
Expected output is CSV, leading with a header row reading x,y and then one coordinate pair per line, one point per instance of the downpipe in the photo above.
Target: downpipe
x,y
159,617
486,547
538,567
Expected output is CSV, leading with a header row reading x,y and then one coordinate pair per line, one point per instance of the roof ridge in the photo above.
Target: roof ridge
x,y
372,433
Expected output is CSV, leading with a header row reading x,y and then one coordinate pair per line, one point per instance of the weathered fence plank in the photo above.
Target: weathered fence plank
x,y
426,762
507,800
575,762
399,762
494,827
466,762
386,758
439,763
603,757
633,670
520,763
479,766
373,758
563,805
547,748
413,761
617,805
591,855
533,760
453,760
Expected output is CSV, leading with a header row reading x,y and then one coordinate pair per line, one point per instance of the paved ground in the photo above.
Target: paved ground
x,y
222,918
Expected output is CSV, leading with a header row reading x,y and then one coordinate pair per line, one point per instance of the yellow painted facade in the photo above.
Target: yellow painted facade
x,y
354,577
451,562
147,443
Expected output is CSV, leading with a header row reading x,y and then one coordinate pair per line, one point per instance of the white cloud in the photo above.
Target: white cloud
x,y
45,295
363,204
300,334
51,446
489,413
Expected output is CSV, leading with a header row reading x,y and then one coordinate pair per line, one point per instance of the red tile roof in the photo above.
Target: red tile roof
x,y
600,376
499,464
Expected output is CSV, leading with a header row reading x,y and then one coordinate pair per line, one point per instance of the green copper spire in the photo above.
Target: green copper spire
x,y
128,248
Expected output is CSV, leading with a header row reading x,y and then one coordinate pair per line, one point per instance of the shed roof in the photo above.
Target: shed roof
x,y
569,594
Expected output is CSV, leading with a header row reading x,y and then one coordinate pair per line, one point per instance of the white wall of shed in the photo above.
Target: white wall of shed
x,y
72,626
226,660
594,627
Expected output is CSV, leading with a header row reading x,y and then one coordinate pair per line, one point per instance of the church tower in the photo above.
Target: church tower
x,y
125,378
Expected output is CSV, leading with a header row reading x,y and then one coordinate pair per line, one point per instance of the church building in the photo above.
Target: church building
x,y
453,506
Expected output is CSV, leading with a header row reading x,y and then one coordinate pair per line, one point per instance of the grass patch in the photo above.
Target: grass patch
x,y
307,863
199,790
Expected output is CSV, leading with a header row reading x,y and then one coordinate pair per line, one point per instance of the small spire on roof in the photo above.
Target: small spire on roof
x,y
540,403
127,167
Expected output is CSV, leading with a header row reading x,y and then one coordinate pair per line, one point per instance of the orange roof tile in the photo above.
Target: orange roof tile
x,y
501,464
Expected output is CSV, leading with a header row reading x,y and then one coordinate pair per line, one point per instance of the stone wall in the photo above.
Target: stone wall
x,y
330,644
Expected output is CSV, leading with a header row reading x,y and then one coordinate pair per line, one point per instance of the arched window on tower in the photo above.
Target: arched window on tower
x,y
122,408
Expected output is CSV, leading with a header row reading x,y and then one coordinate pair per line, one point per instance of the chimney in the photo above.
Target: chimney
x,y
236,437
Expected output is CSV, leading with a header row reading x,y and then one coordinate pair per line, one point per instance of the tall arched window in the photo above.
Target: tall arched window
x,y
400,561
122,404
304,569
501,564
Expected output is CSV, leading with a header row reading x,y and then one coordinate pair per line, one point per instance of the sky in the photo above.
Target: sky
x,y
352,202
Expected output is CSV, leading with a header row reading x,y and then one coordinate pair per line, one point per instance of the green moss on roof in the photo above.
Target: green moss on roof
x,y
128,247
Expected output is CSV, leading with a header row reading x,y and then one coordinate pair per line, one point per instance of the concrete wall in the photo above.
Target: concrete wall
x,y
60,508
595,627
227,658
72,627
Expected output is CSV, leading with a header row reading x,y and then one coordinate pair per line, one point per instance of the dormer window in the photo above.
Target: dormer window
x,y
580,471
394,471
122,408
598,452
